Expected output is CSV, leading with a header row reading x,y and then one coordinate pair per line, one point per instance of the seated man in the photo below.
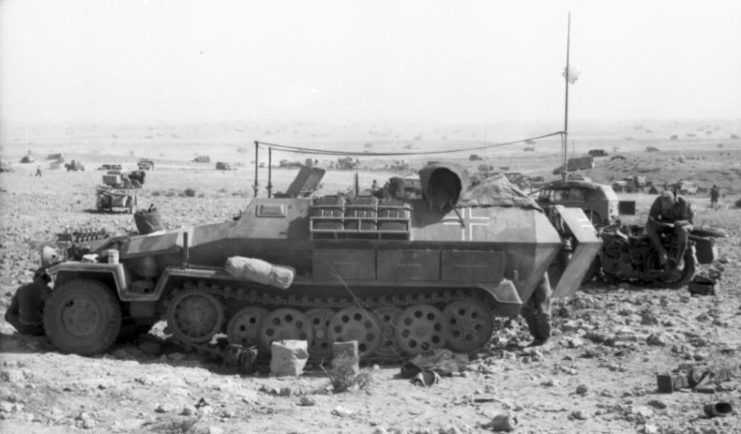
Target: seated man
x,y
670,212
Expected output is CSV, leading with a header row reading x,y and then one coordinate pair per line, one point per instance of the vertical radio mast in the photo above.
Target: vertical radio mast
x,y
565,136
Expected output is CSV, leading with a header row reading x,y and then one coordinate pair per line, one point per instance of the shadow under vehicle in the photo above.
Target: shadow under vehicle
x,y
399,276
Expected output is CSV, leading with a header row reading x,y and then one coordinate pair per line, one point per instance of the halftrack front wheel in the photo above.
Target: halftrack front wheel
x,y
356,324
285,323
244,327
83,317
420,328
468,325
195,317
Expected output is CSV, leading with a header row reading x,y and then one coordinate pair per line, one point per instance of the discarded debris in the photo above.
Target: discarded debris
x,y
718,409
442,361
426,378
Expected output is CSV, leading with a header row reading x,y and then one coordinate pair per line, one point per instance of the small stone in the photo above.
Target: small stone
x,y
582,389
649,318
504,422
650,429
658,339
306,401
450,430
162,408
578,415
285,391
13,376
342,411
549,383
655,403
188,410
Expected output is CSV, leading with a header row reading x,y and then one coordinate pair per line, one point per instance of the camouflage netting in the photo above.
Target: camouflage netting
x,y
447,185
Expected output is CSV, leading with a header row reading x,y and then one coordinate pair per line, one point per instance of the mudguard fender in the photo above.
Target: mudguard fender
x,y
586,246
114,273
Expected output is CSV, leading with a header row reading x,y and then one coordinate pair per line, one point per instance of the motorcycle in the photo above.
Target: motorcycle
x,y
627,255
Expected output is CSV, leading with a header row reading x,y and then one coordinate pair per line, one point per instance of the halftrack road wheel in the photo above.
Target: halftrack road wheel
x,y
244,327
320,345
195,317
420,328
387,317
468,325
356,324
83,317
284,323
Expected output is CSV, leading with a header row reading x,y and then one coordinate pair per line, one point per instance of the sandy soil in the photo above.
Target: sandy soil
x,y
601,347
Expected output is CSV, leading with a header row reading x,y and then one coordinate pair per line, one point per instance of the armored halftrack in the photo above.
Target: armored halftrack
x,y
399,275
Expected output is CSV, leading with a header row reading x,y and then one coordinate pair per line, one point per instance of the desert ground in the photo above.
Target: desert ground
x,y
598,373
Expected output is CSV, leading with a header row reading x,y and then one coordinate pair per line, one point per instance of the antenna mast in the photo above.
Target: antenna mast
x,y
565,137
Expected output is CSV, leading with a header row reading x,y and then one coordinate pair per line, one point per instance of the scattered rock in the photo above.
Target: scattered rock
x,y
504,422
659,339
650,429
582,389
550,382
188,410
342,411
649,318
578,415
306,401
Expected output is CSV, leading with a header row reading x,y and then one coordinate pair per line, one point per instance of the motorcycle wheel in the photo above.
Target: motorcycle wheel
x,y
680,278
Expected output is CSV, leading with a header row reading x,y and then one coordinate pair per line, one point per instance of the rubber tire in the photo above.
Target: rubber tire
x,y
690,264
104,302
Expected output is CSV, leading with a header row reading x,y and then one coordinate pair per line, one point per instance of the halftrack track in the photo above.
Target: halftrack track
x,y
387,327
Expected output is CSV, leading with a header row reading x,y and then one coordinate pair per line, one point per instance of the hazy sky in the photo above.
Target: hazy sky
x,y
108,61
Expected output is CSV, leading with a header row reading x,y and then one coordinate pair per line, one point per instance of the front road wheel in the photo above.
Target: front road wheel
x,y
82,317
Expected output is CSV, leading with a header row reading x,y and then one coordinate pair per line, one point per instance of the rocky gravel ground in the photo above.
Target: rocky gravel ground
x,y
598,374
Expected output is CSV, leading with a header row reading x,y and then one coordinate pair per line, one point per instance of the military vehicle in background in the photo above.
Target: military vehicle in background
x,y
399,276
599,202
109,199
145,164
117,191
74,166
220,165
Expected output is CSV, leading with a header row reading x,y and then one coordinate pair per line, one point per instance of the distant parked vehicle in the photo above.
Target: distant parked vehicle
x,y
145,164
220,165
597,153
110,167
74,166
599,202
